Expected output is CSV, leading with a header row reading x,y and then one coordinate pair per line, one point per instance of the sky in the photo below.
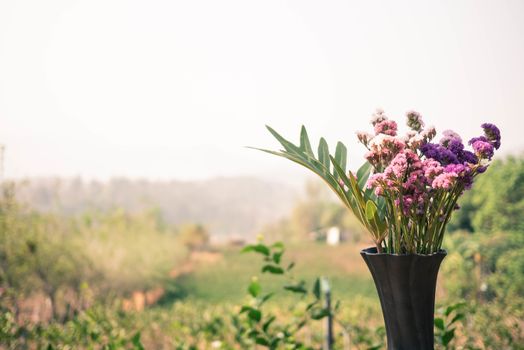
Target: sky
x,y
176,89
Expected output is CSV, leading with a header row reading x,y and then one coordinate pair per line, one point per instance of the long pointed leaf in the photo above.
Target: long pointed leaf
x,y
305,145
371,210
288,146
363,174
323,153
316,167
358,206
341,157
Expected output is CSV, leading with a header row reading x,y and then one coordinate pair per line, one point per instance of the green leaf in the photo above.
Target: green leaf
x,y
262,341
258,248
276,270
137,344
448,337
363,174
288,146
317,289
319,313
453,307
371,210
253,333
457,317
296,288
305,145
266,298
357,202
310,305
439,323
245,308
341,157
254,315
254,288
277,256
313,165
266,324
323,153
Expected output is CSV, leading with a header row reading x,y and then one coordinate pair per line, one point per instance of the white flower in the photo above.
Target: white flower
x,y
378,141
416,140
484,162
216,344
378,116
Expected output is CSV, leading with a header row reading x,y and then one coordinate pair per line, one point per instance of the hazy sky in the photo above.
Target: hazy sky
x,y
175,89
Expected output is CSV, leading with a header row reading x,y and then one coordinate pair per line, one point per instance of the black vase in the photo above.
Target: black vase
x,y
406,288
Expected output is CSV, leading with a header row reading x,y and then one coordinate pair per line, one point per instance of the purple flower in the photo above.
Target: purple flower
x,y
475,139
469,157
455,146
483,149
482,169
439,153
492,133
449,136
455,168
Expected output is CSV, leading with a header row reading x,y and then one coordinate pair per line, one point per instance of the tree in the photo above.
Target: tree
x,y
496,202
193,236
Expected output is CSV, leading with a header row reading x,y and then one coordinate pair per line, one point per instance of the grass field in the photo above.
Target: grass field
x,y
225,280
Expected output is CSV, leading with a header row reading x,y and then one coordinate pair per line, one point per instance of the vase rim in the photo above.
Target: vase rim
x,y
373,251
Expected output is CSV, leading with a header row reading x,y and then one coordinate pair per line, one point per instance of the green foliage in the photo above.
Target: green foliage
x,y
74,262
193,236
261,325
351,192
96,328
488,271
99,257
496,202
445,322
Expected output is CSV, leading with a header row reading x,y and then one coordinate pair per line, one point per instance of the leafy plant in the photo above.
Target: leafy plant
x,y
445,325
415,184
350,188
263,328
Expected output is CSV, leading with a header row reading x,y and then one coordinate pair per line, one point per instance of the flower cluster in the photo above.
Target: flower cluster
x,y
405,193
411,170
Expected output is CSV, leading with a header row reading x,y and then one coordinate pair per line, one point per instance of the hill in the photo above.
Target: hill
x,y
235,206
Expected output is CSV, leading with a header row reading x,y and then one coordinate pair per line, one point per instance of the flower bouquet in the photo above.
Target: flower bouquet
x,y
404,195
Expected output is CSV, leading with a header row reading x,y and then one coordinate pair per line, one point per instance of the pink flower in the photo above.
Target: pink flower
x,y
432,168
374,180
378,116
444,181
387,127
364,137
398,166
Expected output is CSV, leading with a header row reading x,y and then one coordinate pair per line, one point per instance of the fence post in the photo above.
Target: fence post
x,y
328,327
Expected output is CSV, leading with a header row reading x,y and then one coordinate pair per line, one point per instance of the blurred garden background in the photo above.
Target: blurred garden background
x,y
127,196
80,273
